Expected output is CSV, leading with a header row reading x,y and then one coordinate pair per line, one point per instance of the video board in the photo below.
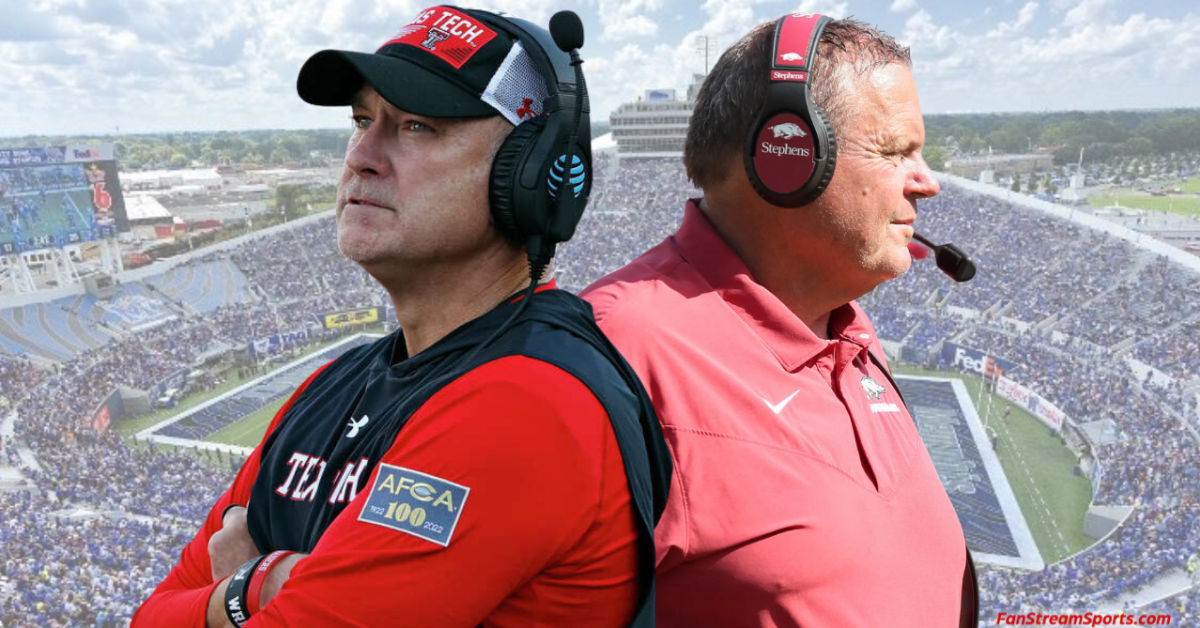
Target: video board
x,y
56,196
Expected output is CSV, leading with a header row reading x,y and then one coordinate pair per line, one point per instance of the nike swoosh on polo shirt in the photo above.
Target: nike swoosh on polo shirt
x,y
779,408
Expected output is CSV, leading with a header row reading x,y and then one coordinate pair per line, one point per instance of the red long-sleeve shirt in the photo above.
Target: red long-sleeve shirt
x,y
545,536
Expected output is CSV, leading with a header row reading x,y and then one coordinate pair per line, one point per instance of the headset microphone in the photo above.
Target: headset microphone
x,y
567,31
540,177
950,259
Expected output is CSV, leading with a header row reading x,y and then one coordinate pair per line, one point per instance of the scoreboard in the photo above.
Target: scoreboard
x,y
57,196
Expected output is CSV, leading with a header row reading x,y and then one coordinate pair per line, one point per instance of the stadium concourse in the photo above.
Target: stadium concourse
x,y
1070,307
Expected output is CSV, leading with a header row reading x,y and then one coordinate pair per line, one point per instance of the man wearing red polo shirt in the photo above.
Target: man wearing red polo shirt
x,y
802,494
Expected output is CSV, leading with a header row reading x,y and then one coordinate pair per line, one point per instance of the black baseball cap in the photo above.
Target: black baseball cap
x,y
447,63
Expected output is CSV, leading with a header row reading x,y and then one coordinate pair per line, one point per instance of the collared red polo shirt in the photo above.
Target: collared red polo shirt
x,y
802,494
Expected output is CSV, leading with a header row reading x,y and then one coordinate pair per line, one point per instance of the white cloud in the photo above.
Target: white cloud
x,y
1086,12
627,19
837,10
901,6
1024,18
920,30
1078,63
73,66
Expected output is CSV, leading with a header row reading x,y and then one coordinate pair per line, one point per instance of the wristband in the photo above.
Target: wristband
x,y
258,577
235,593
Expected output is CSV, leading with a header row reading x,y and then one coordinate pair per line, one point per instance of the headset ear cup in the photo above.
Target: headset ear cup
x,y
830,155
506,197
748,158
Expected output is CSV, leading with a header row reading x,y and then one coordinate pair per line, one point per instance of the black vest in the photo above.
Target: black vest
x,y
309,472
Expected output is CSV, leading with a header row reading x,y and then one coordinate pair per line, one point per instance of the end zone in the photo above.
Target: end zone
x,y
188,428
971,472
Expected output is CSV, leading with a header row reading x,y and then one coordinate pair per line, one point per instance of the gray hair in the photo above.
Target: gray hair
x,y
735,90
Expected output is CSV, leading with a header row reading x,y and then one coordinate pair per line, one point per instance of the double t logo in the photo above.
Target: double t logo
x,y
433,37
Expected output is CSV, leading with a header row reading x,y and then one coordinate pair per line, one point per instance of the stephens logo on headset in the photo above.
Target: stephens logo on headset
x,y
784,153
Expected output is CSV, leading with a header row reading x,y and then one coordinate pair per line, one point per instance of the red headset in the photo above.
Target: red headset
x,y
791,150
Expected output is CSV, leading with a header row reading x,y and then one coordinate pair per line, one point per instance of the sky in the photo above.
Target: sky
x,y
101,67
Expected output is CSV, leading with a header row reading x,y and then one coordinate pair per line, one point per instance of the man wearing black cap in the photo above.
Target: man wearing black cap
x,y
496,463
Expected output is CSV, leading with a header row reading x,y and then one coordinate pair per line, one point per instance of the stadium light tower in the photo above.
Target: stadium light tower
x,y
706,45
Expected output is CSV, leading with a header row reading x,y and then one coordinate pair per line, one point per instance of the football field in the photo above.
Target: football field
x,y
1187,204
236,419
250,430
1037,465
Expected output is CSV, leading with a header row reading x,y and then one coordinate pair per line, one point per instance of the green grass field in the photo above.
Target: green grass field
x,y
1039,469
250,430
128,427
1185,205
245,433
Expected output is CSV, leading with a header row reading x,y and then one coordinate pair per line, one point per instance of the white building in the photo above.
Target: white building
x,y
656,125
181,181
148,219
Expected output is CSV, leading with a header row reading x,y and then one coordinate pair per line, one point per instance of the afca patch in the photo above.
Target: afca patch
x,y
415,503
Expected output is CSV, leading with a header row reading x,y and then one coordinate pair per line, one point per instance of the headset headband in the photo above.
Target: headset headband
x,y
796,38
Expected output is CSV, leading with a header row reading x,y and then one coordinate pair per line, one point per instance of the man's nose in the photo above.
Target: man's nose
x,y
364,155
922,183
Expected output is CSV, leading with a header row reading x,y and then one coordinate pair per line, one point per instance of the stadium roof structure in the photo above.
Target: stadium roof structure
x,y
145,208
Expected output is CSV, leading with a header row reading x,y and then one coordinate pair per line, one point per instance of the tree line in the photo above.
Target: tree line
x,y
260,148
1102,134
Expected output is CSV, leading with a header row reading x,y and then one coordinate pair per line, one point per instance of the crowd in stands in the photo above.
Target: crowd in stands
x,y
1176,350
1050,296
60,572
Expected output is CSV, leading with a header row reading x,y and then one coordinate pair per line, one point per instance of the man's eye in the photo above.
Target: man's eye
x,y
419,127
360,123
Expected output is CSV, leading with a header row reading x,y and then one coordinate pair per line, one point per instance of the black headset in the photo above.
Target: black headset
x,y
536,199
791,150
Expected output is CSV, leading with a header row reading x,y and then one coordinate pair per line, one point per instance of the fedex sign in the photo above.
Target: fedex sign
x,y
975,361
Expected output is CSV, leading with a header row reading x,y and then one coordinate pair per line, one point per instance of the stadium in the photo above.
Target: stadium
x,y
1056,392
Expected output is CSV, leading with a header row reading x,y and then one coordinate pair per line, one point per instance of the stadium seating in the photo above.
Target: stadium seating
x,y
204,287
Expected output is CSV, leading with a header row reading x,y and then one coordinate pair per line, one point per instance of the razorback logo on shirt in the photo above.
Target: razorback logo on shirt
x,y
873,388
450,35
415,503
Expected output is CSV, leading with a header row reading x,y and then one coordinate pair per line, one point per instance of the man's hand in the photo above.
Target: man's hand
x,y
231,546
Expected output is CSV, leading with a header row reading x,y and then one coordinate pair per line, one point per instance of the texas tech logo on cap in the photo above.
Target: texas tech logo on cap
x,y
450,35
434,36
